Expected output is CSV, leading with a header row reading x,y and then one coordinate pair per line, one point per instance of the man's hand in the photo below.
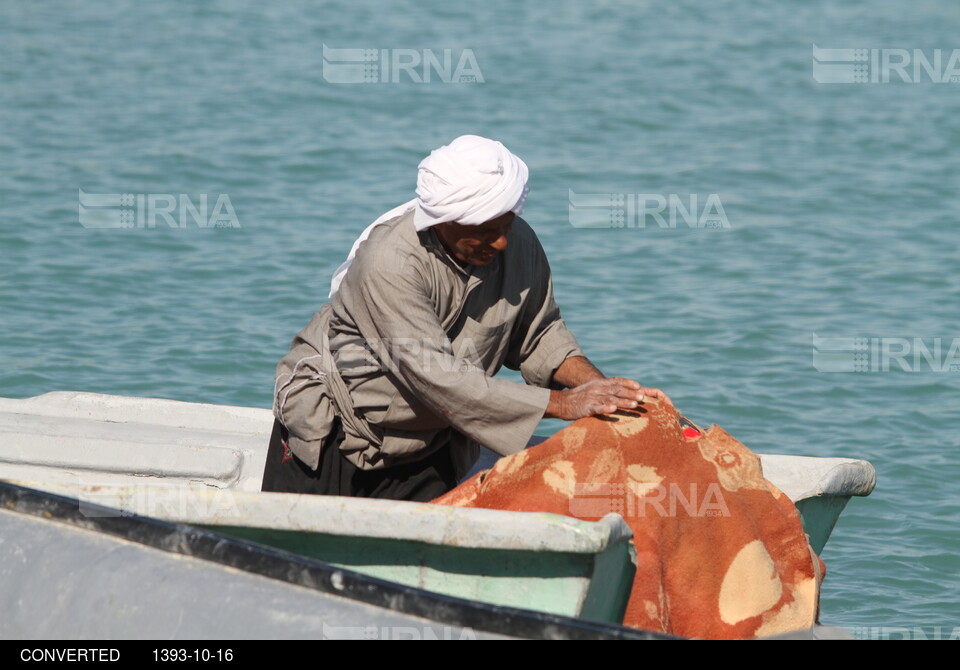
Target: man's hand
x,y
600,396
593,393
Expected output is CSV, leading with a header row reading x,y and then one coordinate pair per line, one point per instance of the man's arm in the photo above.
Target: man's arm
x,y
548,354
590,392
575,371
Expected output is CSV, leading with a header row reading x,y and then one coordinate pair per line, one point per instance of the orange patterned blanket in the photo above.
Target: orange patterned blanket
x,y
721,552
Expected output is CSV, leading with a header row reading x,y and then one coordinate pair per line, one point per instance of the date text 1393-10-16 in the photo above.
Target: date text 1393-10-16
x,y
161,655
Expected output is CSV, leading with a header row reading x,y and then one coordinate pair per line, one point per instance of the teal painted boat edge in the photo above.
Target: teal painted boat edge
x,y
284,567
819,516
610,585
595,587
820,488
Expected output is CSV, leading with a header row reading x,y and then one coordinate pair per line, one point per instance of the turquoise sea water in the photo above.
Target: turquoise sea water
x,y
841,199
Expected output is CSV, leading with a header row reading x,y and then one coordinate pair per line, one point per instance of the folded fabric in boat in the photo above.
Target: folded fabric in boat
x,y
721,552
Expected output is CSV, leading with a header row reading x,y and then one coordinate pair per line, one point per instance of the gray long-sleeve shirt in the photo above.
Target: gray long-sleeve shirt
x,y
406,351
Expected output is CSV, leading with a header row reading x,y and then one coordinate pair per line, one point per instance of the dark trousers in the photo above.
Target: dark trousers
x,y
422,480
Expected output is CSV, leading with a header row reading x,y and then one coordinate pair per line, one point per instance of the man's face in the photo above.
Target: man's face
x,y
476,245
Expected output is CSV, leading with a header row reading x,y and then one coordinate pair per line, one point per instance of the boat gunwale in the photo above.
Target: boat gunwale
x,y
306,572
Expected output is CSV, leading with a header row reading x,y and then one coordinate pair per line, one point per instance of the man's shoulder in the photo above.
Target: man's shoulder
x,y
524,243
393,244
524,232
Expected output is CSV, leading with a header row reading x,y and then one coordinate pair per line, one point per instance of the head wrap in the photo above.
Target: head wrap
x,y
470,181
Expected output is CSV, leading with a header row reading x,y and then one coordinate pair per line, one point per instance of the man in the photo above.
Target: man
x,y
390,388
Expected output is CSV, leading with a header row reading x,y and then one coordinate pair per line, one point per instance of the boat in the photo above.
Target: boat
x,y
80,572
200,464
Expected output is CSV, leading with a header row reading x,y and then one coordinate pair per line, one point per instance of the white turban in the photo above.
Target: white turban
x,y
471,181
